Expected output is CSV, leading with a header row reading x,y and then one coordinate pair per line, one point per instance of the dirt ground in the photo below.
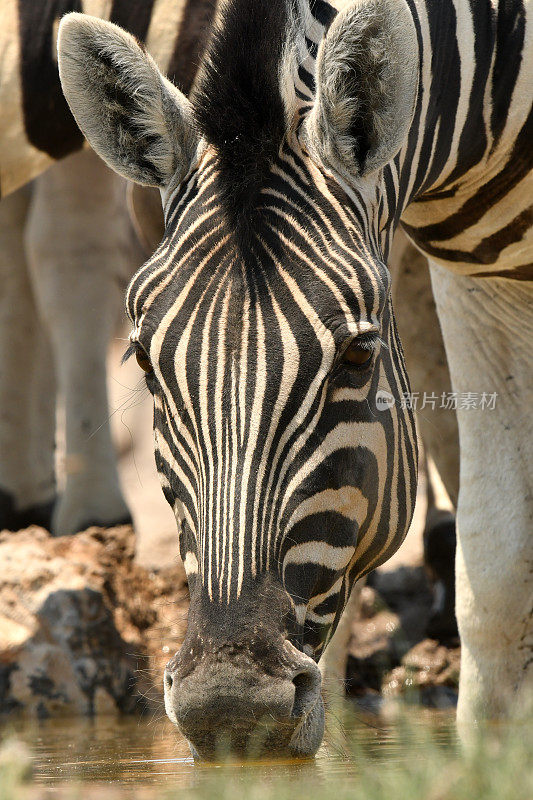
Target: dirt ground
x,y
84,629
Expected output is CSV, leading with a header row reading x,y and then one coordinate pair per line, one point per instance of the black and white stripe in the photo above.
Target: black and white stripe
x,y
274,458
272,453
288,184
37,126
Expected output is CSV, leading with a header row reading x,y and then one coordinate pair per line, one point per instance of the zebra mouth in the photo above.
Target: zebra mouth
x,y
307,737
267,741
251,736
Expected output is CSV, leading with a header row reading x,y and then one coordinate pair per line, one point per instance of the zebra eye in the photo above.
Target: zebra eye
x,y
358,354
142,359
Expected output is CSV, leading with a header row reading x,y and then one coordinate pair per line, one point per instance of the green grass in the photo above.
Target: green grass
x,y
15,768
497,765
425,763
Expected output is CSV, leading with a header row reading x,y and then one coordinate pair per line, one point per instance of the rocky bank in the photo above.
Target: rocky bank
x,y
389,654
83,628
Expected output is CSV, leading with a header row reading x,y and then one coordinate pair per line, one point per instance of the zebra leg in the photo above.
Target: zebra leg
x,y
27,386
333,661
77,247
440,542
425,357
487,326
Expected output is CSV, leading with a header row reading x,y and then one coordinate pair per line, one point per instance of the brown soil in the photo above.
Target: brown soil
x,y
83,628
389,654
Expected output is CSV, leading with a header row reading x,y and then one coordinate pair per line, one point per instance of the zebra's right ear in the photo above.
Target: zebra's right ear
x,y
367,79
133,117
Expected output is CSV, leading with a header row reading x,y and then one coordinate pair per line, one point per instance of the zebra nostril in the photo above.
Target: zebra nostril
x,y
307,691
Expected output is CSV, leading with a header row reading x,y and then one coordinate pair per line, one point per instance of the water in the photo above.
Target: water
x,y
128,752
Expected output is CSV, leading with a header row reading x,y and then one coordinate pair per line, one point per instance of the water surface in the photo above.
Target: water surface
x,y
144,753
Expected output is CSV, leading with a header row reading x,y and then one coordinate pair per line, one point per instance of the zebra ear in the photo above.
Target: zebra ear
x,y
367,76
132,116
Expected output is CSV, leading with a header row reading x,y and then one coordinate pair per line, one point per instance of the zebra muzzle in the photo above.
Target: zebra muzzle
x,y
228,703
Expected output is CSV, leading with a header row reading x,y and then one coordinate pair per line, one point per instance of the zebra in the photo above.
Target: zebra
x,y
264,325
37,128
65,251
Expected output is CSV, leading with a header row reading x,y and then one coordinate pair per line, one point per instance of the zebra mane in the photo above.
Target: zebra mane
x,y
237,101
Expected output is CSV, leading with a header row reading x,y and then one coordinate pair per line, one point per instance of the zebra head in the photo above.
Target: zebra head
x,y
264,324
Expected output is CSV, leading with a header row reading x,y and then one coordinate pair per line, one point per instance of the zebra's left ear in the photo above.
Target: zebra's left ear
x,y
133,117
367,77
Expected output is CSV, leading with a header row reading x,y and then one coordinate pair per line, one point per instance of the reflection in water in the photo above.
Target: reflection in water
x,y
129,750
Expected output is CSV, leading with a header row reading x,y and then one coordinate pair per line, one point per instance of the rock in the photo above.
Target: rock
x,y
82,627
407,592
377,644
429,673
387,652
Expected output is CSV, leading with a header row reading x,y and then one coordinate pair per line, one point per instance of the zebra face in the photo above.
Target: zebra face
x,y
268,350
265,327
